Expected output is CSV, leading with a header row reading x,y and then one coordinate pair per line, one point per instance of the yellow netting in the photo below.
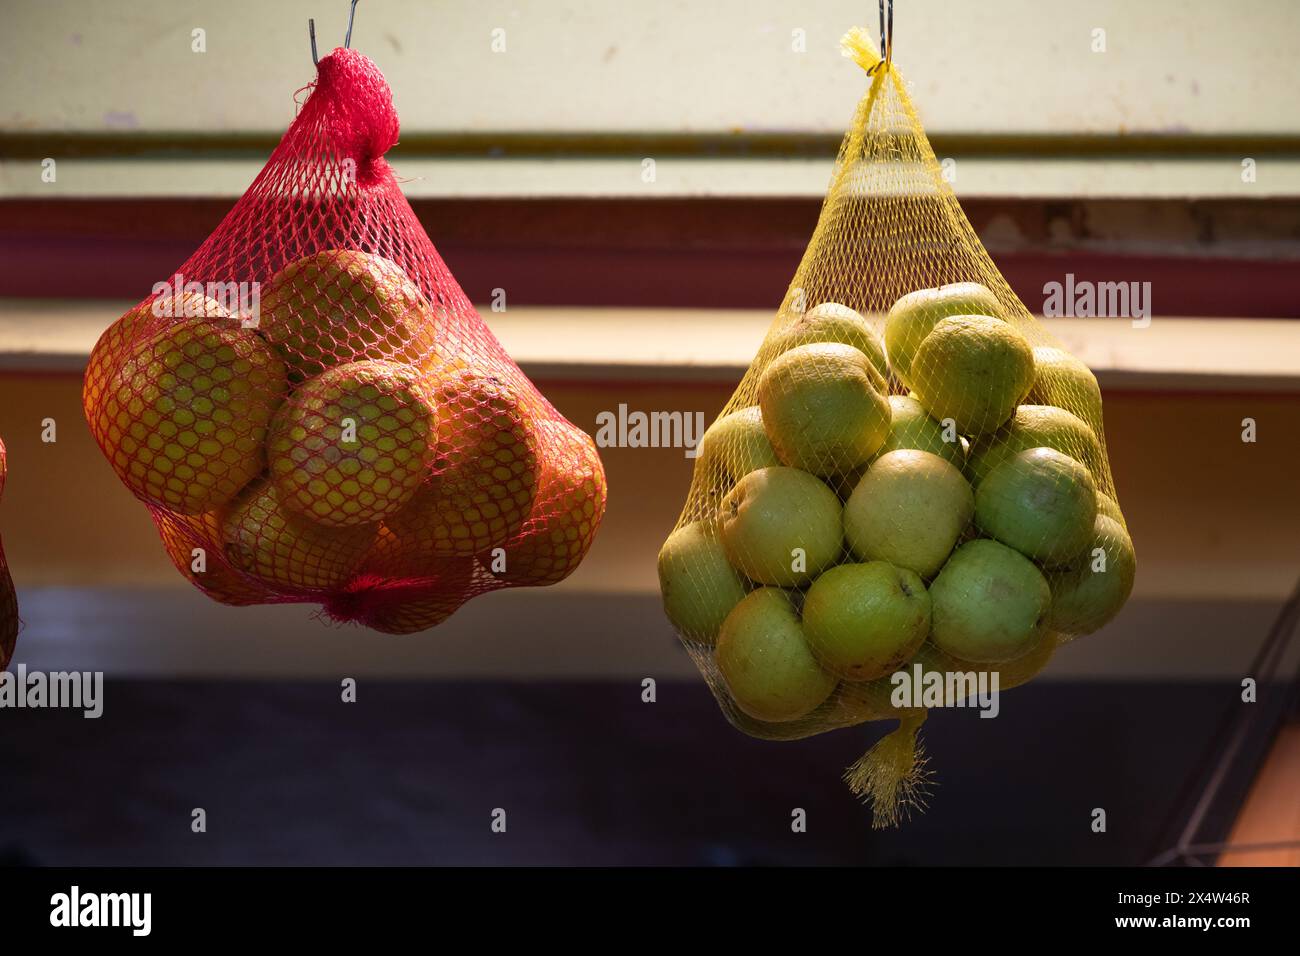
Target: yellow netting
x,y
911,472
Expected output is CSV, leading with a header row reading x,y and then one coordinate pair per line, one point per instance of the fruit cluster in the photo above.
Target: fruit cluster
x,y
330,449
962,522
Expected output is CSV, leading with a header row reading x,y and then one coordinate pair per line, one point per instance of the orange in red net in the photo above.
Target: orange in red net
x,y
314,411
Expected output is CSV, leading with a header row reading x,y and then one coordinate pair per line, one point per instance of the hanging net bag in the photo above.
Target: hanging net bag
x,y
909,492
314,411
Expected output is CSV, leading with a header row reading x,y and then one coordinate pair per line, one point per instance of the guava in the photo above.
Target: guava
x,y
909,509
1106,505
832,322
973,369
737,444
1012,673
1035,426
988,604
865,620
1062,380
766,662
698,584
781,526
823,407
1087,595
1040,502
912,318
910,426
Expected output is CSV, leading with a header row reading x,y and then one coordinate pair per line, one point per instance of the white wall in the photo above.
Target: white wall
x,y
1011,66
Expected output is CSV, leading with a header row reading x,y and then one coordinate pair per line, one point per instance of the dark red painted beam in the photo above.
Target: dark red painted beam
x,y
674,253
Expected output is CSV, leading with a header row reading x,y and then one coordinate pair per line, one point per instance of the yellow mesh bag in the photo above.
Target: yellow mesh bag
x,y
911,478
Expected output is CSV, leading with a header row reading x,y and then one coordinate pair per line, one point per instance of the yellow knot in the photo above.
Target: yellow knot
x,y
857,46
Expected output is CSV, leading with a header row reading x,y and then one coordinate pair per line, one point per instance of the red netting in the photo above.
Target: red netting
x,y
314,411
8,599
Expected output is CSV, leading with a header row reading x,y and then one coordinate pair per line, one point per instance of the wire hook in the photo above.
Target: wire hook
x,y
352,15
886,38
347,40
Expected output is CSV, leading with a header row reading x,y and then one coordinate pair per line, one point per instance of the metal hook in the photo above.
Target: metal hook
x,y
347,40
886,40
887,37
352,14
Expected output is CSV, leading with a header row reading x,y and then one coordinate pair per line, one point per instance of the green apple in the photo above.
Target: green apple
x,y
832,322
781,526
908,509
1106,505
1040,502
910,426
1062,380
973,369
1012,673
988,604
766,662
824,407
1036,426
1091,592
873,700
698,584
736,444
857,702
844,484
913,316
865,620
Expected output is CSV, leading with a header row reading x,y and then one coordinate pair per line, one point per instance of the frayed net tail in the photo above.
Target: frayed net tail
x,y
857,46
891,777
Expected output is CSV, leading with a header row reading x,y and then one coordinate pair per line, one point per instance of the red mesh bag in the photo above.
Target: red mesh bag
x,y
8,598
314,411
